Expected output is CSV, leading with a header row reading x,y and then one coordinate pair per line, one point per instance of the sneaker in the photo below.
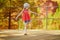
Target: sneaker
x,y
25,34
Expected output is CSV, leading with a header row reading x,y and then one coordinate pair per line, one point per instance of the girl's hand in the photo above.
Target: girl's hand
x,y
16,18
38,14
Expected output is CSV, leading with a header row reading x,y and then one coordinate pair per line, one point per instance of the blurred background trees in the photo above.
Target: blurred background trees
x,y
9,9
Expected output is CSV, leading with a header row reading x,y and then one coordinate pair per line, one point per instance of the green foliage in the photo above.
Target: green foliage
x,y
10,6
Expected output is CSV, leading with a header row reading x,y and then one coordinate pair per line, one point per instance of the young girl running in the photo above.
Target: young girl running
x,y
25,16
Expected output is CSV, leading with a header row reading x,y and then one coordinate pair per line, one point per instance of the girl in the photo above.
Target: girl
x,y
25,16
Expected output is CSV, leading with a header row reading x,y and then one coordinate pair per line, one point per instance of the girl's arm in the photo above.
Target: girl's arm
x,y
19,14
33,12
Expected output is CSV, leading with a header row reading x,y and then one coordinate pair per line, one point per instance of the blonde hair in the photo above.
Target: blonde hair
x,y
26,5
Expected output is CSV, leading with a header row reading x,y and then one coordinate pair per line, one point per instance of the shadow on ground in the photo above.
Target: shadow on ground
x,y
32,37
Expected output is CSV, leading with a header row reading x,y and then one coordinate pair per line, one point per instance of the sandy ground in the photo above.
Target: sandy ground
x,y
32,35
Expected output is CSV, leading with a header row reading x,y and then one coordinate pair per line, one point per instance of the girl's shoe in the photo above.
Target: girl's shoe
x,y
25,34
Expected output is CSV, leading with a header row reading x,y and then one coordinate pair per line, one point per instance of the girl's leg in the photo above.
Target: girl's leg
x,y
25,28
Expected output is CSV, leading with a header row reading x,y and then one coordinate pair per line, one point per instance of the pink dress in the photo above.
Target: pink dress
x,y
25,15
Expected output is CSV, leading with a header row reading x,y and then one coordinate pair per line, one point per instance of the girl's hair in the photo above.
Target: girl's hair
x,y
26,5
